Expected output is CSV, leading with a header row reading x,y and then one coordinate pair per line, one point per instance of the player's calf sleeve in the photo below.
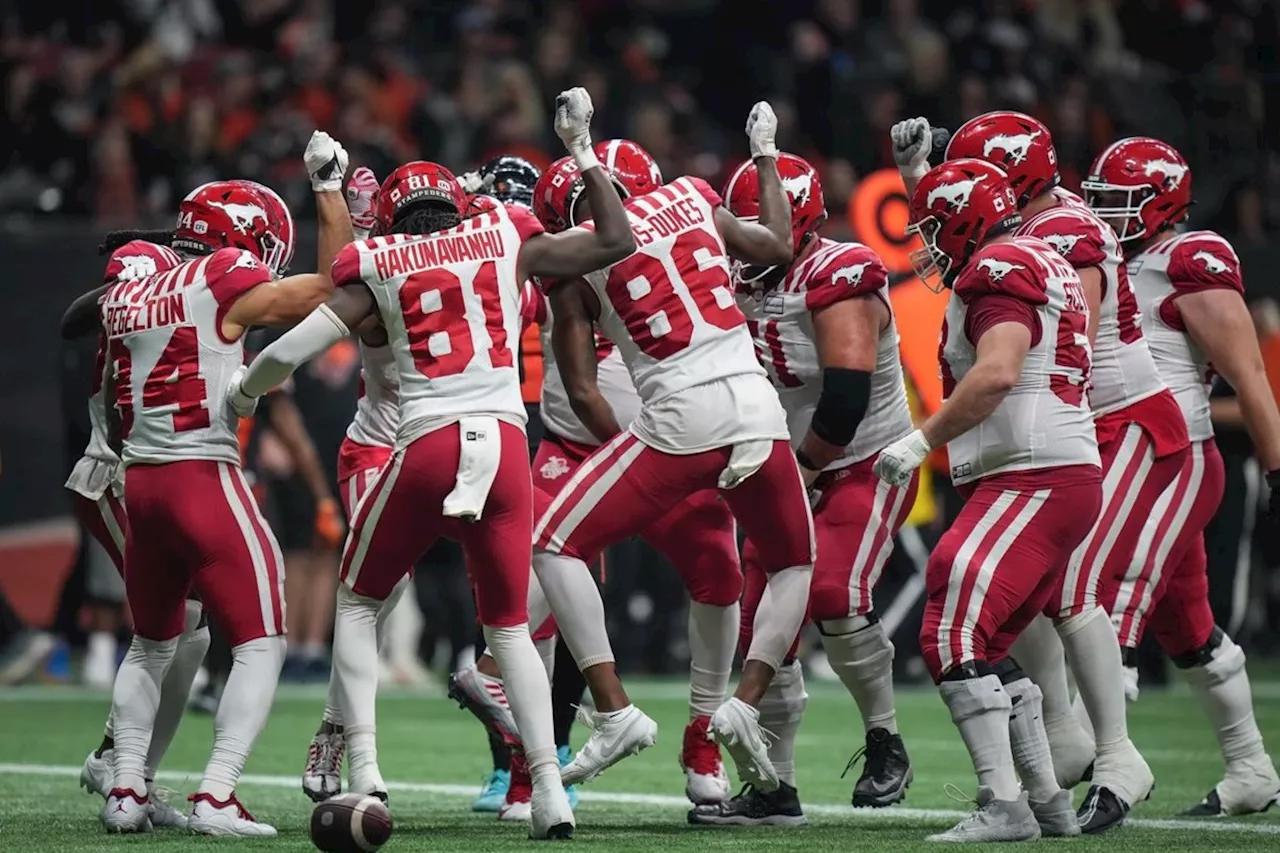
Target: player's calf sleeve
x,y
528,692
242,711
980,709
134,702
547,653
176,687
355,649
577,606
1028,742
1094,654
332,707
538,605
713,633
781,710
1041,656
862,656
1217,676
780,615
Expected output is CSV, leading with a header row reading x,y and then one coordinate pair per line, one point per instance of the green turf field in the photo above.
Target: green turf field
x,y
433,755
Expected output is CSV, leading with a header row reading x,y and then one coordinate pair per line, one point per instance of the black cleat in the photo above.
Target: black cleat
x,y
753,808
1101,810
886,775
1210,806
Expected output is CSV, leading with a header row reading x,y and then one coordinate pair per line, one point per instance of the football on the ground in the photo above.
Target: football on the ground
x,y
350,823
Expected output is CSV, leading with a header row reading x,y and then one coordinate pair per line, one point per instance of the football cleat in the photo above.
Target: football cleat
x,y
1056,817
322,777
518,804
1121,779
1248,788
752,807
161,813
614,736
564,754
96,775
736,726
550,815
126,811
886,774
1101,810
706,781
993,820
493,793
485,698
224,818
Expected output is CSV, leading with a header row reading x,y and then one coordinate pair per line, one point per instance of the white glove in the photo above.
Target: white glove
x,y
362,196
241,403
326,161
573,126
136,268
471,182
762,127
898,461
912,139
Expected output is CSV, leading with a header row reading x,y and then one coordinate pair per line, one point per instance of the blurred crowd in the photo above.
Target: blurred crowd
x,y
115,108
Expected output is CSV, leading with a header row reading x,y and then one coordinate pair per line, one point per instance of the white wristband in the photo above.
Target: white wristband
x,y
585,158
915,172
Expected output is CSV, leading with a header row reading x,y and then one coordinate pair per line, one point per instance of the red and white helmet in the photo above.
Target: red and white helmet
x,y
1140,186
241,214
415,182
1017,143
632,168
555,194
955,209
803,187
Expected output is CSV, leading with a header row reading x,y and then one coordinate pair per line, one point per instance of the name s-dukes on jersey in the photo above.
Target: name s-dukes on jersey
x,y
670,309
781,323
171,364
1185,263
1045,420
451,304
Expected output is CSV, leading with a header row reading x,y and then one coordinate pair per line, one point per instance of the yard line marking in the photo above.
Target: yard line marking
x,y
590,796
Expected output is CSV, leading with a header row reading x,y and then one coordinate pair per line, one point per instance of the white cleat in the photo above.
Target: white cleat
x,y
1247,788
96,776
322,777
368,781
614,736
736,726
705,780
1125,773
126,811
550,814
993,820
516,810
1057,817
225,818
161,813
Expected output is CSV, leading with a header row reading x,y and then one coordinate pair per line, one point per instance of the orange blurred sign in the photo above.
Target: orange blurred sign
x,y
878,216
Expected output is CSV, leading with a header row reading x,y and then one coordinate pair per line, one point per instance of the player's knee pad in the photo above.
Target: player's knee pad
x,y
845,625
968,671
1218,660
1023,690
859,642
972,697
1009,671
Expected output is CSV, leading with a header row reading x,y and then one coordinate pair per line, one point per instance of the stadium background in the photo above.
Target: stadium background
x,y
115,108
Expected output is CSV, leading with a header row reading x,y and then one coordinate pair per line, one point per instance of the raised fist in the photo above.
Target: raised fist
x,y
241,403
326,161
573,123
762,127
362,193
912,142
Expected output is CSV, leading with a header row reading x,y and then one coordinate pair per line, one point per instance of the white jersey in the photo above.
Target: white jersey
x,y
171,365
1124,373
378,406
670,309
1045,421
1185,263
450,302
781,322
611,377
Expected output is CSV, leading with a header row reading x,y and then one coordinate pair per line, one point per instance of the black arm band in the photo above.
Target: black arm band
x,y
845,397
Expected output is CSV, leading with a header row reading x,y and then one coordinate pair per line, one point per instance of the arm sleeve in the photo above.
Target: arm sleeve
x,y
992,309
320,330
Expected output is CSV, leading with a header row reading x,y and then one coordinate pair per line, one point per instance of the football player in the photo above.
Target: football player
x,y
708,420
1191,296
174,341
1143,445
696,536
97,484
448,293
825,332
1014,358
